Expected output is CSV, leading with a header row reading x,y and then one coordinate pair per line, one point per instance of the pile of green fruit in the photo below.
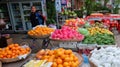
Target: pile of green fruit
x,y
69,13
100,39
83,31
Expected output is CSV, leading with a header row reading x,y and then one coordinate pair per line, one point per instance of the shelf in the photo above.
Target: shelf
x,y
16,9
26,9
27,21
17,15
4,12
26,15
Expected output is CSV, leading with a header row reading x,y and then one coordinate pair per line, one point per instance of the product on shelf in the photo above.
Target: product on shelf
x,y
96,35
75,22
40,31
100,39
72,27
101,25
66,33
95,30
106,57
13,51
60,57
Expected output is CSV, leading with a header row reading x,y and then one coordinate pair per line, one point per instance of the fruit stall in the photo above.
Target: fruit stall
x,y
80,42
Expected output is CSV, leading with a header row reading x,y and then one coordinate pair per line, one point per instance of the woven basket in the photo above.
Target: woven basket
x,y
92,64
73,40
0,64
45,36
7,60
79,57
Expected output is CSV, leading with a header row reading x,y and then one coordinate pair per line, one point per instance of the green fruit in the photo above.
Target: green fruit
x,y
83,31
87,25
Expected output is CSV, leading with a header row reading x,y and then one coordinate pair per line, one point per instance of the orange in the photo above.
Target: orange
x,y
59,61
16,45
54,64
13,54
65,64
59,53
67,59
63,56
77,63
51,52
71,58
68,51
74,64
1,56
50,60
60,65
9,52
75,59
8,56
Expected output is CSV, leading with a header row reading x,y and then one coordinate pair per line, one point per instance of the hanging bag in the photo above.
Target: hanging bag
x,y
2,24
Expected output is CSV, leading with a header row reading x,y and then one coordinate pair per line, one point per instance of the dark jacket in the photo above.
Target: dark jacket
x,y
36,19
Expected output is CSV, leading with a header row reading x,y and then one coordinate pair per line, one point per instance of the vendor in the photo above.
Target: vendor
x,y
35,17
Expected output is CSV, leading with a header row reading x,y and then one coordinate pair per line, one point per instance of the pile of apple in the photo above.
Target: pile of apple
x,y
66,33
75,22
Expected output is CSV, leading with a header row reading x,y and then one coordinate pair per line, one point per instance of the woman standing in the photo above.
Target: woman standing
x,y
35,17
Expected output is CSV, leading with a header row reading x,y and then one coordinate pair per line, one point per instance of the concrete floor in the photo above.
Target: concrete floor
x,y
18,38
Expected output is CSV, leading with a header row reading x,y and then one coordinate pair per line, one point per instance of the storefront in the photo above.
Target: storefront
x,y
16,13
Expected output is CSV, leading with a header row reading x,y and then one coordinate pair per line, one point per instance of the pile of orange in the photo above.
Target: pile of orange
x,y
60,58
13,51
40,31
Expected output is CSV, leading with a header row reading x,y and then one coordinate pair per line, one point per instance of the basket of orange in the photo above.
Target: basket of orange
x,y
13,53
60,57
40,32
